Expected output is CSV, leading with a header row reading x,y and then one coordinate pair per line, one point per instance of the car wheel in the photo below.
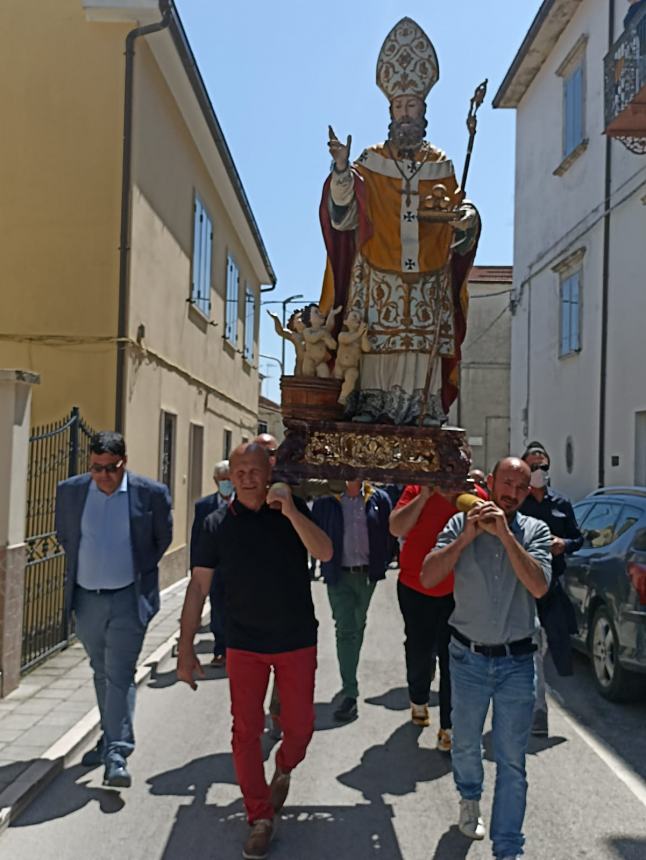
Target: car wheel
x,y
612,680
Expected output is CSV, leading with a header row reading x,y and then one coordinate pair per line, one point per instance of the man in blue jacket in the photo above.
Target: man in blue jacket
x,y
115,527
203,507
357,523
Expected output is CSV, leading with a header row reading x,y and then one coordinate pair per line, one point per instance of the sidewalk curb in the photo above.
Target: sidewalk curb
x,y
26,787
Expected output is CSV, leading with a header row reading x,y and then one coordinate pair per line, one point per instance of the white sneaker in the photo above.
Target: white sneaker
x,y
470,822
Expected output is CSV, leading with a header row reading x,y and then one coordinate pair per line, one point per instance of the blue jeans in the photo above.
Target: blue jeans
x,y
508,682
108,625
216,599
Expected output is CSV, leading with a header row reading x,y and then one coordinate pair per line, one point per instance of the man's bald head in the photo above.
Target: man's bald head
x,y
247,450
250,470
509,484
270,444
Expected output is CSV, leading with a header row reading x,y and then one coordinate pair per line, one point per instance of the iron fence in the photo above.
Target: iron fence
x,y
625,75
56,451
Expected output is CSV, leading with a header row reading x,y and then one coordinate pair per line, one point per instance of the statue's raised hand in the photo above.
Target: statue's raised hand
x,y
340,152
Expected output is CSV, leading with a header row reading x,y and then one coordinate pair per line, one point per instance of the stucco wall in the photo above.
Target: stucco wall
x,y
483,402
60,169
167,171
551,397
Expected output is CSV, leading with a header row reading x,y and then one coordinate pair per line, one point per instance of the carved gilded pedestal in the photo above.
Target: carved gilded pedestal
x,y
379,452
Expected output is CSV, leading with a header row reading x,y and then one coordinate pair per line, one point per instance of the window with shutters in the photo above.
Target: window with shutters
x,y
167,435
249,323
201,262
231,315
573,84
570,315
573,105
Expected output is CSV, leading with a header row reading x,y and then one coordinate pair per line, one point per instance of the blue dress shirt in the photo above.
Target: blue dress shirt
x,y
105,550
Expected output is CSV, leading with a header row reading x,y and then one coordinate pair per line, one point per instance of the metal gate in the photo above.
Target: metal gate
x,y
56,451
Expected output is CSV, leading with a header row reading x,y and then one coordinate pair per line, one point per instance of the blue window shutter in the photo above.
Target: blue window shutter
x,y
575,317
565,317
208,244
197,254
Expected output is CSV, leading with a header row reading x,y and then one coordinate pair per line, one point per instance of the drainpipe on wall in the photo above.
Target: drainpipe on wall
x,y
605,278
165,7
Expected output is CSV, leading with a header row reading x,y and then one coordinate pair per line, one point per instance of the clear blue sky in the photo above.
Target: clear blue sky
x,y
278,73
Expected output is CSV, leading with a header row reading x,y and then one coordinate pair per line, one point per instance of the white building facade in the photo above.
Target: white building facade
x,y
578,350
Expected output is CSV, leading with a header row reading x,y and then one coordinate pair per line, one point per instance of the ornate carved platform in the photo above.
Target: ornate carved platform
x,y
379,452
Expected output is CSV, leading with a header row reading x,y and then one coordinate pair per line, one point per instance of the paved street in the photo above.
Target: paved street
x,y
375,788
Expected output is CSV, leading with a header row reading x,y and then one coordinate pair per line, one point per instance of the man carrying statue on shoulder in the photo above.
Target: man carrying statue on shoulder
x,y
401,270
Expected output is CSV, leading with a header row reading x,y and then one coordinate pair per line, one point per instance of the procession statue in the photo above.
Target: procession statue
x,y
400,239
293,332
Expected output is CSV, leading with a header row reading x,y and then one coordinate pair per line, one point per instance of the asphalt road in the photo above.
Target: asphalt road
x,y
376,788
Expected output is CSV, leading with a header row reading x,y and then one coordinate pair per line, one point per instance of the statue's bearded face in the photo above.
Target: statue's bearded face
x,y
408,123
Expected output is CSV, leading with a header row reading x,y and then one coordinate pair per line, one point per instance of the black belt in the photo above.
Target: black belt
x,y
104,590
515,649
356,568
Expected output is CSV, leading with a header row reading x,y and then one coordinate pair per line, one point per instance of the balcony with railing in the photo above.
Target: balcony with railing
x,y
625,85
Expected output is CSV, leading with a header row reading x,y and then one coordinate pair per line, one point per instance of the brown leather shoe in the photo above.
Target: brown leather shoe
x,y
278,788
219,661
257,845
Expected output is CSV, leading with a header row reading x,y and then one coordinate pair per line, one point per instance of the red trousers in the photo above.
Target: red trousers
x,y
248,673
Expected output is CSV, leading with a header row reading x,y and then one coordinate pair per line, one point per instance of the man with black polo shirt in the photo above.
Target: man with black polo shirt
x,y
259,543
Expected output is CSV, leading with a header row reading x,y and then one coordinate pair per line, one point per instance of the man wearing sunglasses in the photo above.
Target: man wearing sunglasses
x,y
115,526
555,612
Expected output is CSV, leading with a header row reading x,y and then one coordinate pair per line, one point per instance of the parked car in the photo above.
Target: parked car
x,y
606,583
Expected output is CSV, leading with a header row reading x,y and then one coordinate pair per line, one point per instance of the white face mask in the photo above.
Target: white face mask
x,y
225,487
538,479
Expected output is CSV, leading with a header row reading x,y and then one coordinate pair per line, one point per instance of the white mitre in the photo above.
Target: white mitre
x,y
407,63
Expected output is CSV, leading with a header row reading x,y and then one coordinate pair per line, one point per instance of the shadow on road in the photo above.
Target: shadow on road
x,y
452,846
626,847
69,796
397,766
363,831
316,832
397,699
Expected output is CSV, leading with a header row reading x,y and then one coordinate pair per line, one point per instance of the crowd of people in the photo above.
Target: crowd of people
x,y
478,590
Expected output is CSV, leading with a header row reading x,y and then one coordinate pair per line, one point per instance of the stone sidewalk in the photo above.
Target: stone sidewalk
x,y
53,712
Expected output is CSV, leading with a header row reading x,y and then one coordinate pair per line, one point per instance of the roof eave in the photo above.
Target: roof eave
x,y
546,28
189,62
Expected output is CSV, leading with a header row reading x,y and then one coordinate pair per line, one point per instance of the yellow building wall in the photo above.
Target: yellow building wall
x,y
167,171
60,174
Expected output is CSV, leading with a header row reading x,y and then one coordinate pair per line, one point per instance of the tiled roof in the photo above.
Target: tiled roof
x,y
491,275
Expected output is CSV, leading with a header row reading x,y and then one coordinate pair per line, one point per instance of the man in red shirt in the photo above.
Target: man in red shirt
x,y
419,516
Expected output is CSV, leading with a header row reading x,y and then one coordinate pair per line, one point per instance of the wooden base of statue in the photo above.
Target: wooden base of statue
x,y
384,453
310,398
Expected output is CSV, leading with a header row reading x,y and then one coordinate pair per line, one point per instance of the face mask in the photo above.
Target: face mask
x,y
225,487
538,479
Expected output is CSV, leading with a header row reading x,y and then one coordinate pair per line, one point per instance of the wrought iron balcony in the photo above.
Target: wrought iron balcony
x,y
625,86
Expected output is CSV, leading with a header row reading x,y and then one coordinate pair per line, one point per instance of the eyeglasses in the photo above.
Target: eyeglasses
x,y
110,469
544,467
271,451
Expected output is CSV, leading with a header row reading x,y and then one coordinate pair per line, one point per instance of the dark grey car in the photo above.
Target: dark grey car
x,y
606,582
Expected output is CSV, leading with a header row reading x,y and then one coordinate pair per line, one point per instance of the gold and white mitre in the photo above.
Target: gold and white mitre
x,y
407,64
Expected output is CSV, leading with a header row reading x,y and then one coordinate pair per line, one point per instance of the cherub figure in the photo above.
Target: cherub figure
x,y
352,343
294,334
318,342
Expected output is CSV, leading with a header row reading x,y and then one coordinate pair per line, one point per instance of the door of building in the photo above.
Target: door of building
x,y
195,465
